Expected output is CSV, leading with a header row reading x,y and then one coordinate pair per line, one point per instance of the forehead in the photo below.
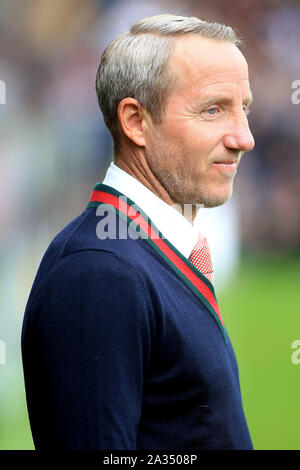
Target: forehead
x,y
198,63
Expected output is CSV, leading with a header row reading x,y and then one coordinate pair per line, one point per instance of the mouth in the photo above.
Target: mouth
x,y
230,165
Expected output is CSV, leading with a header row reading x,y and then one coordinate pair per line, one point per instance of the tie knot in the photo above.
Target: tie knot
x,y
200,257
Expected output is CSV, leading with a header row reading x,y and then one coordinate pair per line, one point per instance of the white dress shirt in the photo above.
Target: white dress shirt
x,y
173,225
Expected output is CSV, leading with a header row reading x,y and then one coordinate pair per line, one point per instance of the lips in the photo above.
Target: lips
x,y
226,162
226,165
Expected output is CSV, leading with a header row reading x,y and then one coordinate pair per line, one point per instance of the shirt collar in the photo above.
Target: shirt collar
x,y
173,226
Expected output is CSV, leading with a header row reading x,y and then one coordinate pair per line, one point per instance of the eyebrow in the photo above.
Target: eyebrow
x,y
224,99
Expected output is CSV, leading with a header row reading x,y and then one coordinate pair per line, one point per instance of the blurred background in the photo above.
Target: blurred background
x,y
54,147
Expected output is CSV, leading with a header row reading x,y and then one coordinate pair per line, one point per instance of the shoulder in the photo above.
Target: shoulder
x,y
77,257
97,231
122,250
78,262
93,287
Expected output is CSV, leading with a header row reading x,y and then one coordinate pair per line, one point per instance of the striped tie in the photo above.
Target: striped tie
x,y
200,257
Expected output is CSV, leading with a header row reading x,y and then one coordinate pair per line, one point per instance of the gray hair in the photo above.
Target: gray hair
x,y
135,64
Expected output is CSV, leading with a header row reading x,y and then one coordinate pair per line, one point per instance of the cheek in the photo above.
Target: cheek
x,y
190,142
194,136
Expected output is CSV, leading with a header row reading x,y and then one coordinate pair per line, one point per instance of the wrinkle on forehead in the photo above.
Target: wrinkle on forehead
x,y
198,59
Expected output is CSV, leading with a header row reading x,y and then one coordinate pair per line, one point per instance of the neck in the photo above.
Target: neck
x,y
135,163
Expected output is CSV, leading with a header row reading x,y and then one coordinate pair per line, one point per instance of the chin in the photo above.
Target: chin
x,y
215,200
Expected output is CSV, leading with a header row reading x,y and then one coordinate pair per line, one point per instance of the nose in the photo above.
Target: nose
x,y
239,137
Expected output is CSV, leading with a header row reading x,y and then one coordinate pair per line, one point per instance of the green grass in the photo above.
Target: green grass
x,y
261,311
15,432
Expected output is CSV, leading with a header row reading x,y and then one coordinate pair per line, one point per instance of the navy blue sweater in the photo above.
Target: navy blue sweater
x,y
123,350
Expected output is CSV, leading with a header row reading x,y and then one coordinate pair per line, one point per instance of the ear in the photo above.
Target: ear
x,y
131,117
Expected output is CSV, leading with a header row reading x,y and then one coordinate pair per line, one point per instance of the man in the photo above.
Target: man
x,y
123,343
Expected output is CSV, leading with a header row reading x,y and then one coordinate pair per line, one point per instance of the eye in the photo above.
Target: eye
x,y
212,111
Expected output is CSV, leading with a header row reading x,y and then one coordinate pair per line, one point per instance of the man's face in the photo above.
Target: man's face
x,y
195,151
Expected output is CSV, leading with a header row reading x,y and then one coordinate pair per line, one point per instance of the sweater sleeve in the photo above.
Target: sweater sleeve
x,y
86,344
